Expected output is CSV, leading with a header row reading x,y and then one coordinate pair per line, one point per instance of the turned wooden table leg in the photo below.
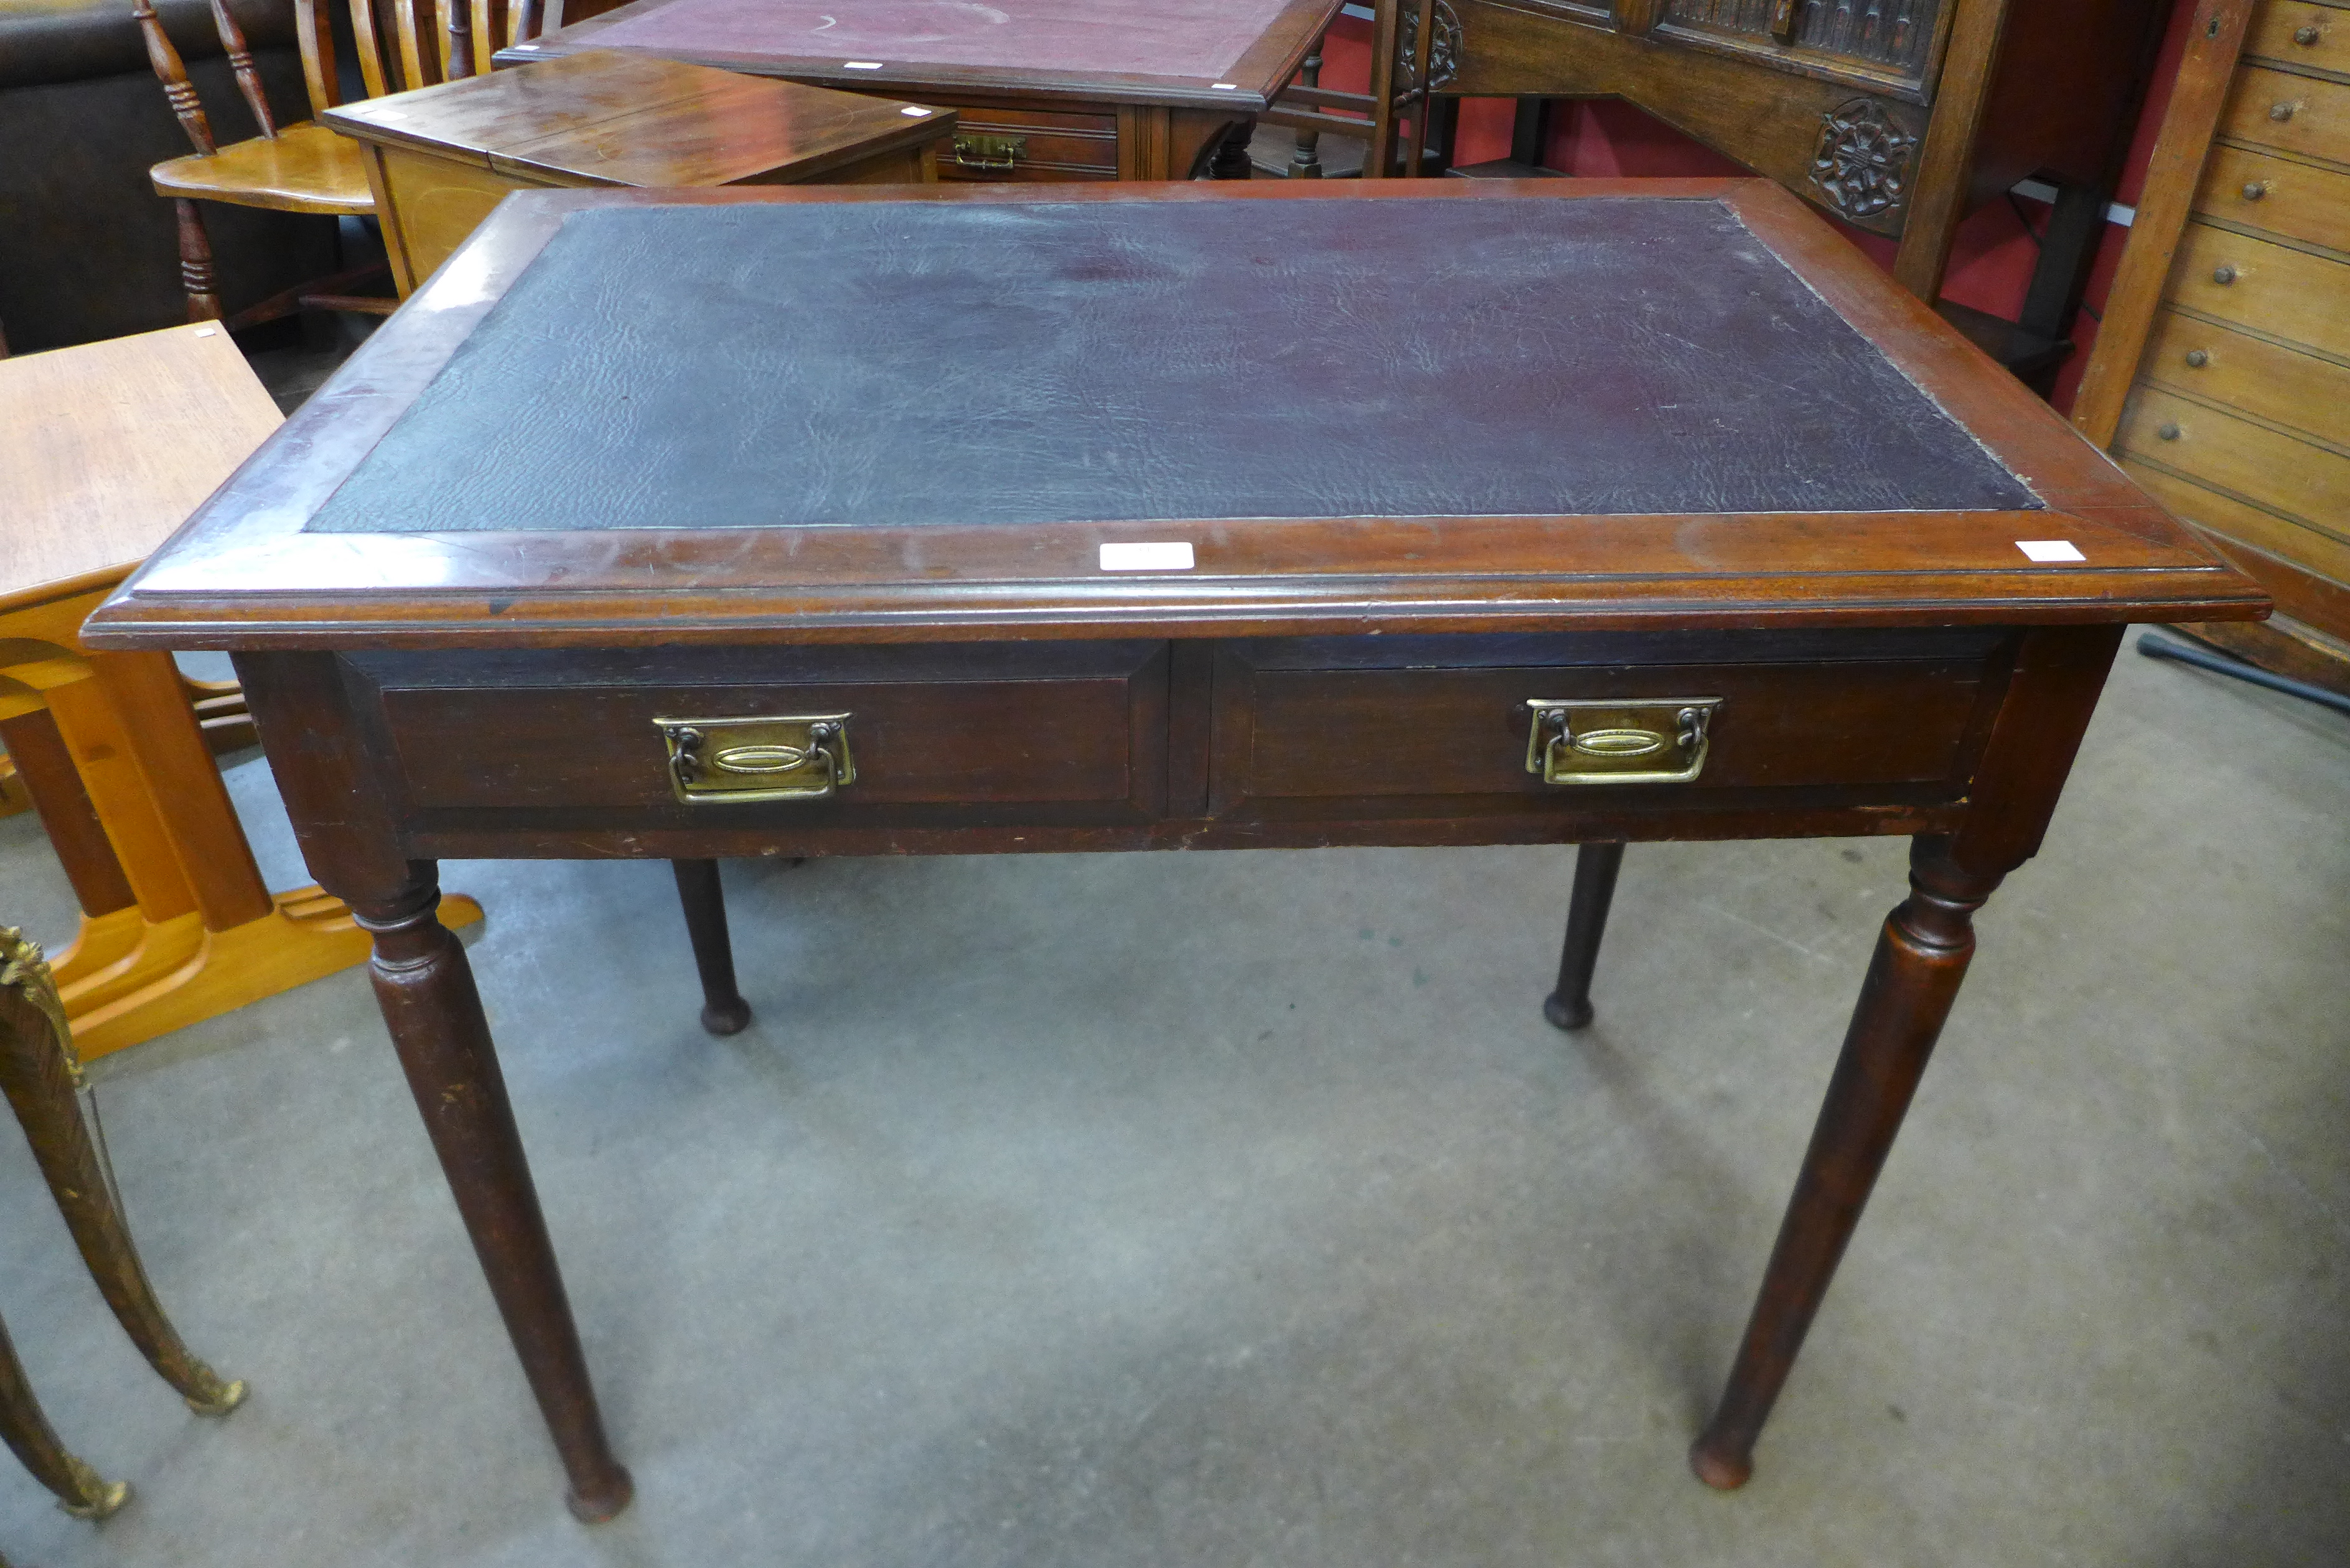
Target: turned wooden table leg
x,y
723,1011
79,1489
1596,865
196,262
1921,956
425,988
37,1073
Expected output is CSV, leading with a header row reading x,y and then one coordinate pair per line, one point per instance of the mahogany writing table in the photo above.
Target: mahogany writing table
x,y
1046,90
1557,512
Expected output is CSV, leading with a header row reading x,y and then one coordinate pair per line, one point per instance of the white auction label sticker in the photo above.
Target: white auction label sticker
x,y
2050,549
1175,557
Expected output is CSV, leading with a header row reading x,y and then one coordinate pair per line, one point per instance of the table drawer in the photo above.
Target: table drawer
x,y
1018,144
960,726
1317,722
2282,195
2291,113
2250,373
2262,285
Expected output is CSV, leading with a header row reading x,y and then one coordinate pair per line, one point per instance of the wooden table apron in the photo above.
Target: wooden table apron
x,y
1341,681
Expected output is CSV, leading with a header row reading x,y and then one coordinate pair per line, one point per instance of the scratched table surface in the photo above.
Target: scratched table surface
x,y
1182,38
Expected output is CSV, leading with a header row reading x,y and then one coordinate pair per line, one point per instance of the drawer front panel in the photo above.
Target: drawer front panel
x,y
2325,555
2300,33
2281,195
2234,454
1036,144
1353,735
2268,287
2276,383
2291,113
922,734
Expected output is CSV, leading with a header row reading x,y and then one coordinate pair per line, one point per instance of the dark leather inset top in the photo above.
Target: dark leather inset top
x,y
931,362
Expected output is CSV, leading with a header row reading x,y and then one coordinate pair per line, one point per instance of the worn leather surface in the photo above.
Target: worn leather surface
x,y
917,363
1201,39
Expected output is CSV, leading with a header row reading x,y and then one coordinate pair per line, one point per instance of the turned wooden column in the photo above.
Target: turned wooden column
x,y
425,989
1921,956
1569,1005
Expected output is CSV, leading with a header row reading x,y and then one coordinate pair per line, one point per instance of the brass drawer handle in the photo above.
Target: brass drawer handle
x,y
997,154
802,756
1604,741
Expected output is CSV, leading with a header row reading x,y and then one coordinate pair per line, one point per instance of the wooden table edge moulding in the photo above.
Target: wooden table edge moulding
x,y
351,642
176,925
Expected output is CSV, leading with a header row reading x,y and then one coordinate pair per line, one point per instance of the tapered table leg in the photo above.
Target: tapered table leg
x,y
425,988
37,1073
79,1489
1921,956
1596,865
723,1011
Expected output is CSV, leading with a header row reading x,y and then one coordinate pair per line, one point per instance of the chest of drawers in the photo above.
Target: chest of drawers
x,y
2221,378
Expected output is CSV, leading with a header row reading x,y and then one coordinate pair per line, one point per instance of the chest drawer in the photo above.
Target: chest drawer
x,y
2300,33
2268,287
2282,195
2291,113
1509,726
2261,378
2262,465
964,726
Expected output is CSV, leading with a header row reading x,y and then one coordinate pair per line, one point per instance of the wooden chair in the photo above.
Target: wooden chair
x,y
41,1077
306,168
1408,61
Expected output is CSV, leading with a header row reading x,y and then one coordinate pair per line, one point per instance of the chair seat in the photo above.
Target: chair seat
x,y
307,169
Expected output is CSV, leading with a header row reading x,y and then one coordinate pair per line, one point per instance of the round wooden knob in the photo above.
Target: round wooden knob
x,y
2168,432
2197,358
2223,275
2254,190
2306,34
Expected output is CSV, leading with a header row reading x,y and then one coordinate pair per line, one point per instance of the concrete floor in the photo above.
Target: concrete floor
x,y
1242,1209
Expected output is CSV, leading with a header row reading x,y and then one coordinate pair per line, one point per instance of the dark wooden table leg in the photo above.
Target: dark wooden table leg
x,y
425,988
723,1011
38,1075
1921,956
1596,865
80,1491
1231,158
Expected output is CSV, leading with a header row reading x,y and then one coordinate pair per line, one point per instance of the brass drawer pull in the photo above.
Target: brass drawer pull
x,y
1604,741
998,154
802,756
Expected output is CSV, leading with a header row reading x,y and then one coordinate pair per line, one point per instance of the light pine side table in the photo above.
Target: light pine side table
x,y
110,445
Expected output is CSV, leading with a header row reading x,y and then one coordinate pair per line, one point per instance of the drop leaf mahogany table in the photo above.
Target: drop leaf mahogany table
x,y
926,520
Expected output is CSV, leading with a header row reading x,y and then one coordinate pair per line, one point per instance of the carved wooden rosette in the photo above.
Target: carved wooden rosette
x,y
1862,161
